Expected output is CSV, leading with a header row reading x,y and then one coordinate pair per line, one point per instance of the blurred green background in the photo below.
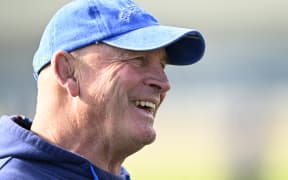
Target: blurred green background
x,y
225,118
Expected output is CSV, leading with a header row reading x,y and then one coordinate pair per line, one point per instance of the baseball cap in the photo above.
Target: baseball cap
x,y
119,23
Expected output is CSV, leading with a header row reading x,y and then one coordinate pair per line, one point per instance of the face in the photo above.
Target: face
x,y
122,91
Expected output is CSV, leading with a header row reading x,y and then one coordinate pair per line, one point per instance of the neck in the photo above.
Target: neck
x,y
84,139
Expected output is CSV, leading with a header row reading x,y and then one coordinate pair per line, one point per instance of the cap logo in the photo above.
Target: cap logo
x,y
126,12
93,11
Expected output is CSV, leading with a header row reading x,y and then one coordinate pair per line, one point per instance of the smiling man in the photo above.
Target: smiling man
x,y
100,73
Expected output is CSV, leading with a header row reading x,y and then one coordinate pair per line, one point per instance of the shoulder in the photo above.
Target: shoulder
x,y
13,168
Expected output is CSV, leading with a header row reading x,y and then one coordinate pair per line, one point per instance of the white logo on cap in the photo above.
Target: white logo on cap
x,y
126,12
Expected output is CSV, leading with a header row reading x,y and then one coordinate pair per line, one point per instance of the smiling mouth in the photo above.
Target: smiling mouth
x,y
146,105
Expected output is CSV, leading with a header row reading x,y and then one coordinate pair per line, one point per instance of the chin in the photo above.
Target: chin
x,y
151,140
147,137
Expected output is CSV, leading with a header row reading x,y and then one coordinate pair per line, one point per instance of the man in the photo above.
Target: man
x,y
100,74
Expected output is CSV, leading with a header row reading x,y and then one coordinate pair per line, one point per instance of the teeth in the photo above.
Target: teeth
x,y
143,103
146,104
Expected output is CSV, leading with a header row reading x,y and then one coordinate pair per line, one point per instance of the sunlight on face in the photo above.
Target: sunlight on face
x,y
122,91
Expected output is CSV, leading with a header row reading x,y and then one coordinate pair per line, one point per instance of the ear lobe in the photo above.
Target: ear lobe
x,y
64,71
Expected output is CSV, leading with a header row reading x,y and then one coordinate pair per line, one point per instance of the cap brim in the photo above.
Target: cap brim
x,y
183,46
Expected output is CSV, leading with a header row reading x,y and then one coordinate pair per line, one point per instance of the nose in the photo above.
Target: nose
x,y
158,79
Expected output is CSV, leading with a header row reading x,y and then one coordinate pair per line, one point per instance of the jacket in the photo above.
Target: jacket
x,y
26,156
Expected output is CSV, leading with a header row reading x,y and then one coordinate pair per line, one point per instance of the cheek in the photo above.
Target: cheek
x,y
131,78
109,91
100,84
116,100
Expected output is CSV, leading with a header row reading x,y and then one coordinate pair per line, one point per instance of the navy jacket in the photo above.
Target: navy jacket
x,y
26,156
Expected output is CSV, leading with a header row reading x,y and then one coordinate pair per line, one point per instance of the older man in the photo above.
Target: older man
x,y
101,79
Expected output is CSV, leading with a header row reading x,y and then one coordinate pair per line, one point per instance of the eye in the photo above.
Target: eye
x,y
139,61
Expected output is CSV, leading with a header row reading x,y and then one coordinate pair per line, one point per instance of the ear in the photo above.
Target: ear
x,y
63,69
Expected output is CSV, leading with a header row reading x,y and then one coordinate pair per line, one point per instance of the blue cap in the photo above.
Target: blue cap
x,y
119,23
